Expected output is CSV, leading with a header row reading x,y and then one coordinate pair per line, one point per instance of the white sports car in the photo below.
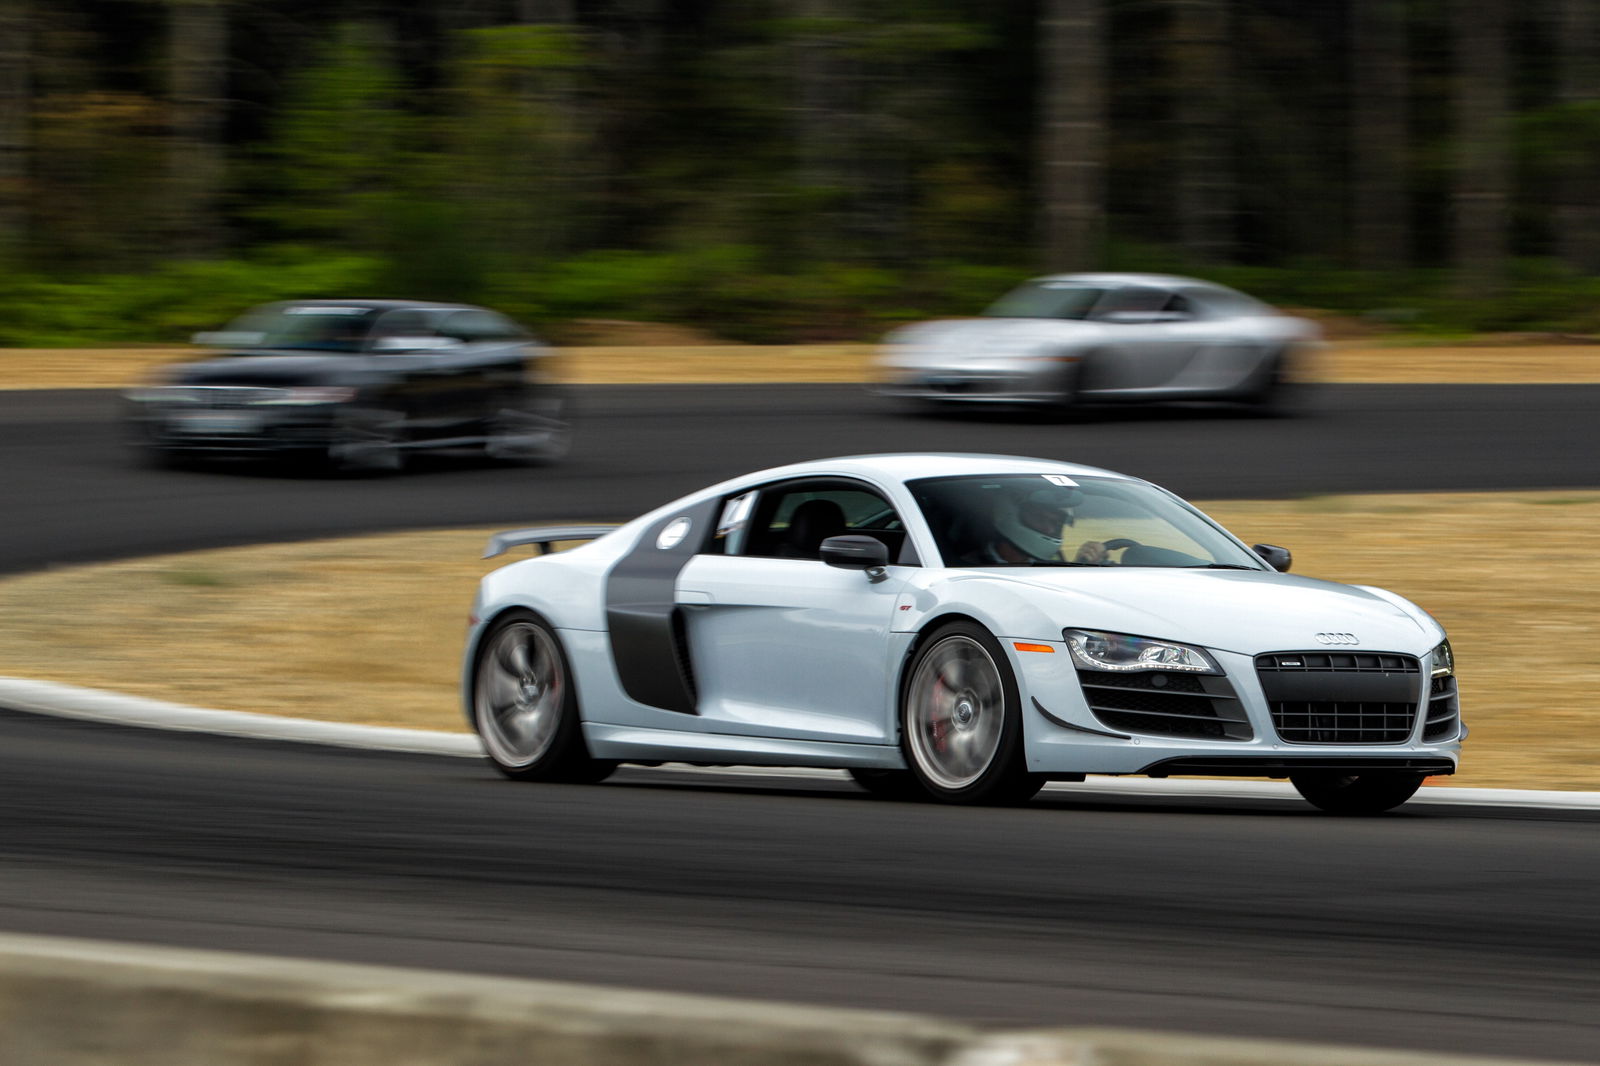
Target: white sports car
x,y
1103,337
960,627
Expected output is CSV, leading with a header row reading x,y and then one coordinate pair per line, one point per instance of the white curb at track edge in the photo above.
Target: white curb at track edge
x,y
72,701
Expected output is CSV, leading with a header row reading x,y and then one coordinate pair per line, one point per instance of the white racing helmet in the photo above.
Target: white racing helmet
x,y
1033,521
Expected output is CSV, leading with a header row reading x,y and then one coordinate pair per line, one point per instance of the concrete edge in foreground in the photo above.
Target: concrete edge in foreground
x,y
86,1003
72,701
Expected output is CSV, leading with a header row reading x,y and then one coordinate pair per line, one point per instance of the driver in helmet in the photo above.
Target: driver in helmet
x,y
1027,529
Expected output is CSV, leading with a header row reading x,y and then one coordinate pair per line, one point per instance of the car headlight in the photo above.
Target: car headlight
x,y
302,396
1444,660
1121,653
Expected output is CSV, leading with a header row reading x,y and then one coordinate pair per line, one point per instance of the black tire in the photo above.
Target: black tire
x,y
1356,794
890,784
529,732
1276,393
1065,407
961,720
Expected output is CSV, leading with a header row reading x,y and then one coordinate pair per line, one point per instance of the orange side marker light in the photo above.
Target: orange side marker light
x,y
1020,646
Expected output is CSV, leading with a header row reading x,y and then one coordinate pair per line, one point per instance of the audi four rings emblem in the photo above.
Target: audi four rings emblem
x,y
1337,638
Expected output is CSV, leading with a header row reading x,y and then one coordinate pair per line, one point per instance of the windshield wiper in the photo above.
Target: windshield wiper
x,y
1221,566
1066,562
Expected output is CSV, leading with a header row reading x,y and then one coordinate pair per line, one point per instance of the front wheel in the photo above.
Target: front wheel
x,y
961,720
1357,794
524,705
367,441
541,432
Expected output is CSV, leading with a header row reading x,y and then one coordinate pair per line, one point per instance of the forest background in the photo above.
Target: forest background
x,y
792,170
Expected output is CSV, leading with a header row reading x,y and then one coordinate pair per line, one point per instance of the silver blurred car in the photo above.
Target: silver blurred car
x,y
1068,338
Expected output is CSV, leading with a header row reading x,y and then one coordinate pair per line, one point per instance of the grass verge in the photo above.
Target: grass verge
x,y
1344,362
339,630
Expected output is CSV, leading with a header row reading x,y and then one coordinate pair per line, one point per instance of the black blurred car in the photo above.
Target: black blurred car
x,y
358,384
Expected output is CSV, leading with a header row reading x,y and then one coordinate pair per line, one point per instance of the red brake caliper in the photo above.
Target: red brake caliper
x,y
940,726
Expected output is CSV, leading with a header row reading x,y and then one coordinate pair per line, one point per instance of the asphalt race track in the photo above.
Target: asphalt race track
x,y
70,492
1436,928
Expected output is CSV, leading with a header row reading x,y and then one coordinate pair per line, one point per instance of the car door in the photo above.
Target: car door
x,y
1148,337
487,370
782,644
415,361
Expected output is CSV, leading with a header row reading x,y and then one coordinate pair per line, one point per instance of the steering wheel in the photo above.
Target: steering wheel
x,y
1118,543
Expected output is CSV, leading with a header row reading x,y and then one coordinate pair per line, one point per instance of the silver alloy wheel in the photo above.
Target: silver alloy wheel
x,y
541,434
518,699
367,440
955,712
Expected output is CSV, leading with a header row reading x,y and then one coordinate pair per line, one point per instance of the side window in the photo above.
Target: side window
x,y
471,327
402,323
1131,302
791,521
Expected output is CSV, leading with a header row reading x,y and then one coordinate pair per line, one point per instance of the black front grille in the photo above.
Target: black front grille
x,y
1320,697
1166,703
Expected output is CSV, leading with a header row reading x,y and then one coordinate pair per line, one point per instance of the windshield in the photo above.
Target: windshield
x,y
301,327
1056,520
1047,299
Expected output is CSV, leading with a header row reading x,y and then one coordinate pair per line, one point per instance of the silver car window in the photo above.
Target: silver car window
x,y
1046,298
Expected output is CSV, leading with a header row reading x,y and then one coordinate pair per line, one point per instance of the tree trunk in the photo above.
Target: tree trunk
x,y
1577,214
16,41
1483,148
549,162
1207,192
824,127
1379,109
1072,133
196,73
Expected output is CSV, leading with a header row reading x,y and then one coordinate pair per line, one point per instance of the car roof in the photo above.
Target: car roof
x,y
379,305
1163,280
909,466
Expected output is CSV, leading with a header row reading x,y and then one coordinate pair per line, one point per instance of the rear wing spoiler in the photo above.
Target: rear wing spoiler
x,y
543,536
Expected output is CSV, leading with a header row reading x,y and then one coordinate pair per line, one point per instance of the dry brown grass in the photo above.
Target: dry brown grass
x,y
370,629
1345,361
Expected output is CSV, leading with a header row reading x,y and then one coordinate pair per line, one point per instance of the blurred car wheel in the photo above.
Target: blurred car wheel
x,y
525,707
540,434
367,441
961,720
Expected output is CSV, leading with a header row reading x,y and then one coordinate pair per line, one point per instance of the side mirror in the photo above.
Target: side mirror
x,y
1274,556
854,551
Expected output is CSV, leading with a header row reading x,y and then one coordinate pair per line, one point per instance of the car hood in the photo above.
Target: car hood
x,y
1232,610
268,370
980,338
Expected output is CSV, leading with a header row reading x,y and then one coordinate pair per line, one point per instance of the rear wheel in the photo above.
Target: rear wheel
x,y
1359,794
524,705
961,720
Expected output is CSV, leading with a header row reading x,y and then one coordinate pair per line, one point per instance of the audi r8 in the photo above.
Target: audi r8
x,y
956,627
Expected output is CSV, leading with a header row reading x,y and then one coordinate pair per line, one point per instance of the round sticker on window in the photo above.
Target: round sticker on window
x,y
673,535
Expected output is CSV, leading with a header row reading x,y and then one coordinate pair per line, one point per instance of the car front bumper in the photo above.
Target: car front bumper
x,y
241,430
1065,735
